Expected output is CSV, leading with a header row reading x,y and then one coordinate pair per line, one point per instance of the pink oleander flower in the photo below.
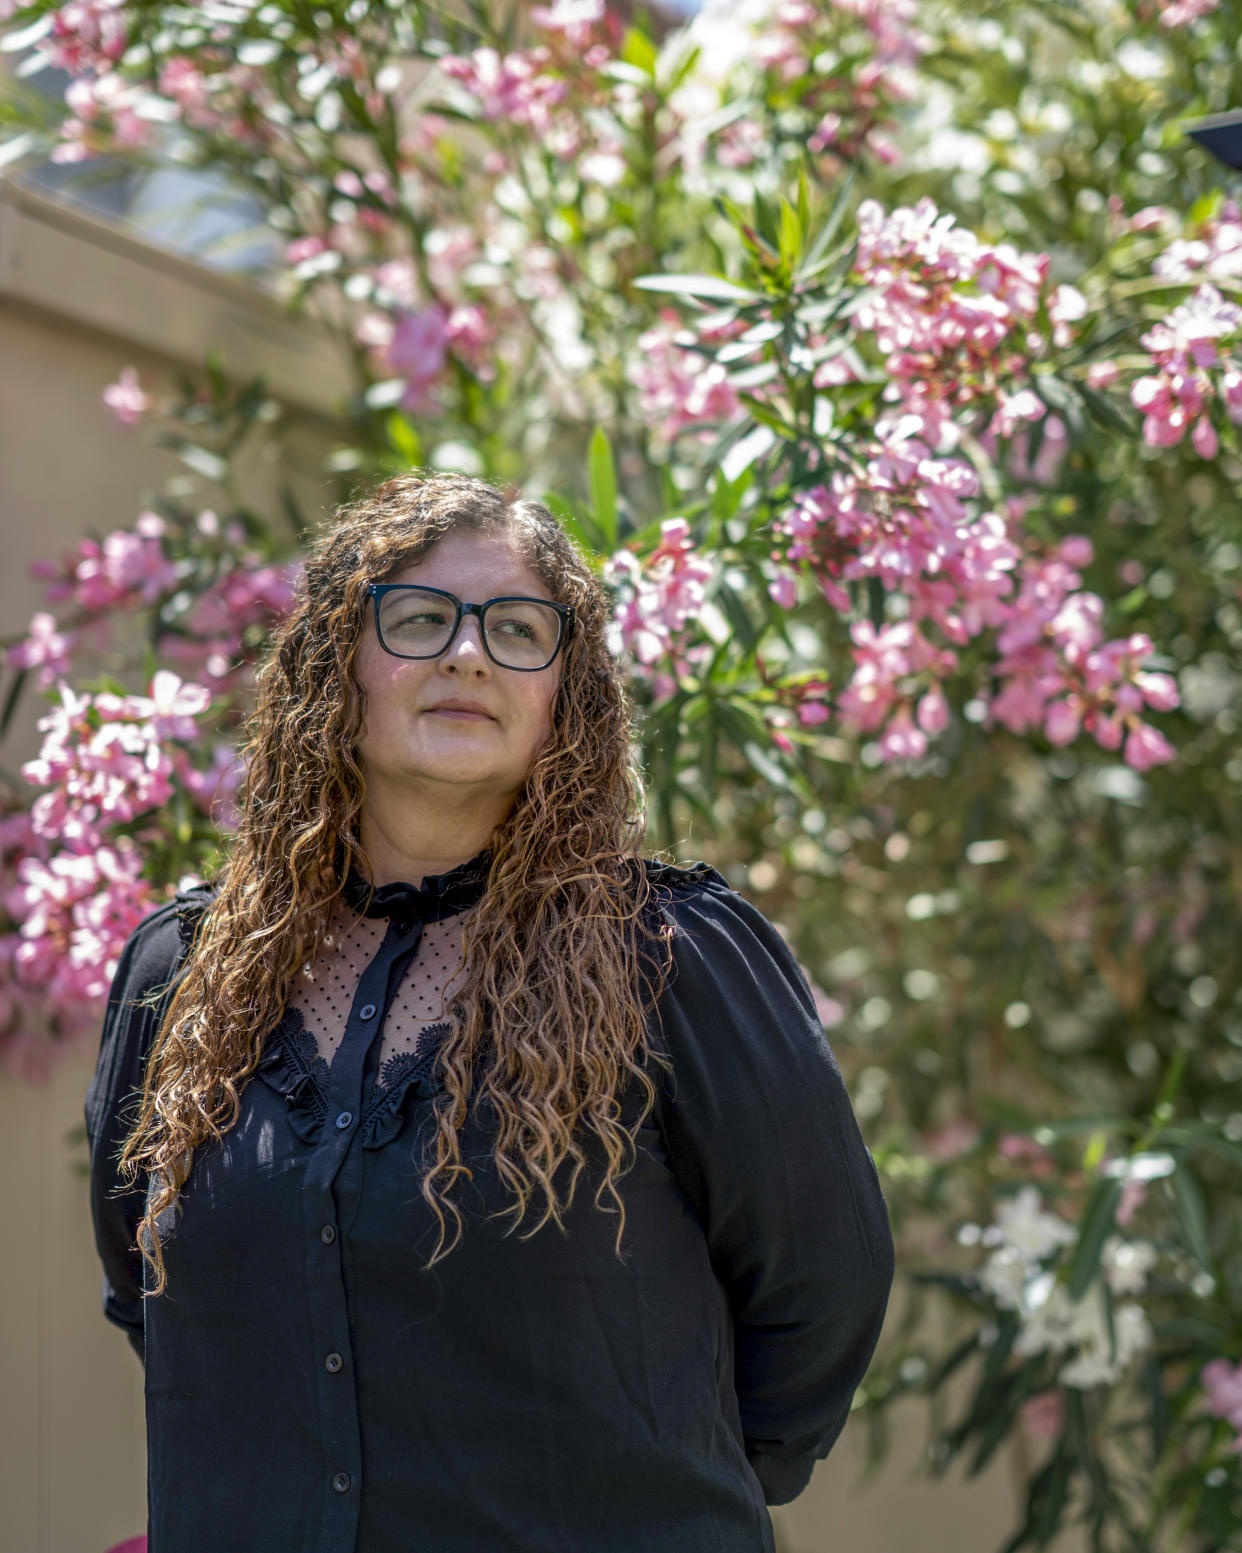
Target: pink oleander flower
x,y
127,566
1181,13
659,595
677,387
513,86
576,20
126,399
214,789
1222,1386
901,739
876,695
87,37
182,82
1043,1416
45,648
106,768
904,520
1212,253
417,352
1176,397
104,117
952,315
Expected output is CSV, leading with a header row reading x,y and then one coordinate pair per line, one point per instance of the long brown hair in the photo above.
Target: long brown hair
x,y
561,959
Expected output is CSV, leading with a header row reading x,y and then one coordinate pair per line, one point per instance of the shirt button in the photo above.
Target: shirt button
x,y
328,1234
333,1363
341,1482
367,1011
344,1119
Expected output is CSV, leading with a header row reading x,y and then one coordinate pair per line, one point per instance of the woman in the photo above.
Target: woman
x,y
396,1295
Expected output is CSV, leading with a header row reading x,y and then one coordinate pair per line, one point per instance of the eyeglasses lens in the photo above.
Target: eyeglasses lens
x,y
520,633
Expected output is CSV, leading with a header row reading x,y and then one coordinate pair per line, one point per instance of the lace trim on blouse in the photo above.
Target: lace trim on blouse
x,y
292,1066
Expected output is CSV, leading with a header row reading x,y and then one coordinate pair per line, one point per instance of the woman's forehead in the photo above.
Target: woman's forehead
x,y
466,559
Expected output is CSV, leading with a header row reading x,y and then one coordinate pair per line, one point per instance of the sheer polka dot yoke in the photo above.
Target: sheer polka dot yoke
x,y
324,993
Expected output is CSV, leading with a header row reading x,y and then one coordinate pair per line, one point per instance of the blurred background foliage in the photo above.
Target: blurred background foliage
x,y
1025,952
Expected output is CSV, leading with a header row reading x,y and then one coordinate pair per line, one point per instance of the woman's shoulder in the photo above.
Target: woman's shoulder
x,y
160,940
706,912
721,940
673,881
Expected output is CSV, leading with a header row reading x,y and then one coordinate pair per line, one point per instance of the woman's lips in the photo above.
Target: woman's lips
x,y
460,712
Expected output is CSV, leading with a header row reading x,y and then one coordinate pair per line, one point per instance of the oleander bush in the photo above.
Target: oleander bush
x,y
886,358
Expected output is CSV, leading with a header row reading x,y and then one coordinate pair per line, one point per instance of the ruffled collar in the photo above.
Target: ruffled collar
x,y
439,895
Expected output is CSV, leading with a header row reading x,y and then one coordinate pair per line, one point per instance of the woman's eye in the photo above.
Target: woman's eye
x,y
514,627
422,617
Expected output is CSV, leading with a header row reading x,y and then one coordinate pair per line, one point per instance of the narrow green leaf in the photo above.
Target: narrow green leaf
x,y
638,50
1193,1216
790,234
714,286
13,697
804,202
767,416
602,481
403,438
765,222
1097,1225
580,526
836,216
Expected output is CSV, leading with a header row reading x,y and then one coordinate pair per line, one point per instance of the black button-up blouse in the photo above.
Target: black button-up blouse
x,y
311,1389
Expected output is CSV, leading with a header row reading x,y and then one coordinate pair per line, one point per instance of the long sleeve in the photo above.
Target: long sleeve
x,y
148,960
761,1134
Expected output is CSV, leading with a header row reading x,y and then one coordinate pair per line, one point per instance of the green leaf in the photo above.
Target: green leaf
x,y
200,459
1097,1225
767,416
766,765
1193,1216
715,286
403,438
765,222
638,50
804,202
832,226
790,233
13,697
685,67
602,481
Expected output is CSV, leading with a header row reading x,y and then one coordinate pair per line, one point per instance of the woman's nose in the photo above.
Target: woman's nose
x,y
466,652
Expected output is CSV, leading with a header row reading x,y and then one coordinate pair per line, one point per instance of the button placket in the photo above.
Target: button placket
x,y
333,1184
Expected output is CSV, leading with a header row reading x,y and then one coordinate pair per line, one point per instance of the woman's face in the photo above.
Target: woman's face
x,y
459,719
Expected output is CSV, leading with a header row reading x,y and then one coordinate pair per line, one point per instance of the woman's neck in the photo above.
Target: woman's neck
x,y
409,842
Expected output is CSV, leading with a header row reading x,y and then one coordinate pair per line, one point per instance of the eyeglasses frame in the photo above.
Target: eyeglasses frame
x,y
377,590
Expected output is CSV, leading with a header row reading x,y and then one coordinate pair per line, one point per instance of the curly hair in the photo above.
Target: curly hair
x,y
561,960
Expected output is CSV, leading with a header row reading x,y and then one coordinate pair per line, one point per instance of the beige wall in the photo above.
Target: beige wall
x,y
78,301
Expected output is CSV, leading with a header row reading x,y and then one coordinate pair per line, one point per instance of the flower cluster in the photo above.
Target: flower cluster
x,y
76,888
130,569
779,46
952,316
1020,1276
677,385
546,89
1222,1383
126,398
1190,372
658,597
1180,13
875,695
1059,675
1212,253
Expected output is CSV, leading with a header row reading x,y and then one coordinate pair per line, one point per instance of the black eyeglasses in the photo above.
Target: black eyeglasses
x,y
516,632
